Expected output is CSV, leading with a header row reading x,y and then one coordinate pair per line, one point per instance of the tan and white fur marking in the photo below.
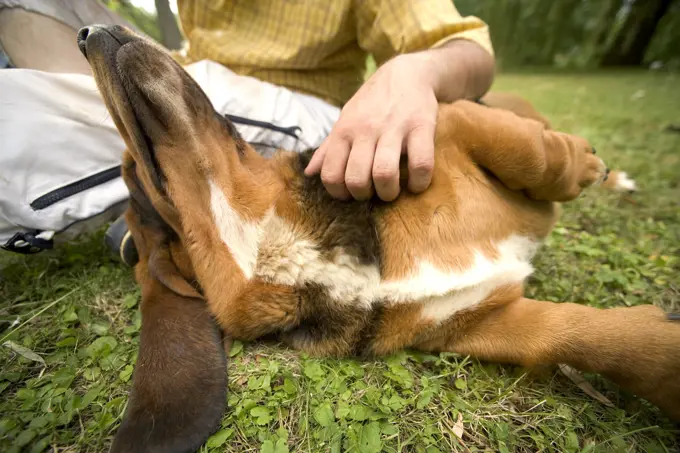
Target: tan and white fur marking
x,y
270,249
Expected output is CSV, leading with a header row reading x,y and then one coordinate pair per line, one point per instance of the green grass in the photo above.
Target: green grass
x,y
608,250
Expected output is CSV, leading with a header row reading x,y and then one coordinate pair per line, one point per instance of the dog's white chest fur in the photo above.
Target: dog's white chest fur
x,y
274,252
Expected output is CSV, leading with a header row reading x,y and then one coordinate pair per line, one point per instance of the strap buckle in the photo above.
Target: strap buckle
x,y
29,242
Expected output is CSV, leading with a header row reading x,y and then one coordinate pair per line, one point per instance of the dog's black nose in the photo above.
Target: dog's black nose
x,y
83,33
86,32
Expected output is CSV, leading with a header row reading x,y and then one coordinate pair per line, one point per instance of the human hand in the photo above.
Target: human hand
x,y
394,112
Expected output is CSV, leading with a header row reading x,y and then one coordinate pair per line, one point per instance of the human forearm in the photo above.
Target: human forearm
x,y
460,69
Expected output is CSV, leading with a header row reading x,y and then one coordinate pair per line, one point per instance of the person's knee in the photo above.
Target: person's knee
x,y
31,41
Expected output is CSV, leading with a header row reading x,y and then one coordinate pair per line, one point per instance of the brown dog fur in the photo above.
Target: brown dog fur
x,y
497,175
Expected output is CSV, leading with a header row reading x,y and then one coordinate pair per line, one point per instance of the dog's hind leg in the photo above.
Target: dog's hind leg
x,y
636,347
523,154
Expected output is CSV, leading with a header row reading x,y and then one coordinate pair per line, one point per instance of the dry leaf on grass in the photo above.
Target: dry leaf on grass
x,y
584,385
458,429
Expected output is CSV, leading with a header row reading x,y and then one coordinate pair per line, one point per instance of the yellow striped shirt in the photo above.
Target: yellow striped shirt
x,y
319,47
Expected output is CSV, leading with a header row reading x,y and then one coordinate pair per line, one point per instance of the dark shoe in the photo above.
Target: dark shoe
x,y
119,240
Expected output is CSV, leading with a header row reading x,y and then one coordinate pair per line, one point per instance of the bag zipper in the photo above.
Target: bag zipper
x,y
96,179
50,198
291,131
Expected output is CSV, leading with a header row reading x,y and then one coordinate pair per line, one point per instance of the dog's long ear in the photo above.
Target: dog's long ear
x,y
164,269
179,383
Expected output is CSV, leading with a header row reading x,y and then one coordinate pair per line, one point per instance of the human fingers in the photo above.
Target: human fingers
x,y
420,151
360,168
386,165
315,163
333,168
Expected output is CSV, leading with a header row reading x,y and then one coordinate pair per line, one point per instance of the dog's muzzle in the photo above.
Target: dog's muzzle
x,y
96,32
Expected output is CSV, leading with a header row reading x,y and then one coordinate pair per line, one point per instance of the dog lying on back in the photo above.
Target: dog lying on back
x,y
250,243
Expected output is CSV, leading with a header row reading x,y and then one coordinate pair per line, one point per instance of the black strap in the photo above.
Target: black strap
x,y
293,131
30,243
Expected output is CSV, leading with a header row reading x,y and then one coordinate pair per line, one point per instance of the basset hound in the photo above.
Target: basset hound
x,y
235,245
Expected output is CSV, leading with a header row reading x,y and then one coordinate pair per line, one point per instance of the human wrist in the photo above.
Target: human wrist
x,y
445,75
425,67
460,69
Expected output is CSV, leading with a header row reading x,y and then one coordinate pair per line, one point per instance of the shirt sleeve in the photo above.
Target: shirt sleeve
x,y
386,28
